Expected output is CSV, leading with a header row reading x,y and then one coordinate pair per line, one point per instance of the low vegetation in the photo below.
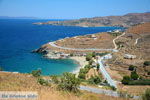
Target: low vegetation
x,y
36,73
83,72
94,80
146,63
115,33
146,95
42,82
69,82
132,67
134,79
55,79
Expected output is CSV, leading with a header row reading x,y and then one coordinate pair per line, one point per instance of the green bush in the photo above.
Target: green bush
x,y
90,62
139,82
148,73
84,71
94,80
87,67
146,95
146,63
42,81
54,79
81,76
69,82
71,54
132,67
93,54
126,80
98,67
36,73
113,88
134,75
89,57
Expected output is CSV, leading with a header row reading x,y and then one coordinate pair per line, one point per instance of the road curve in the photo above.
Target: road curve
x,y
114,40
79,49
88,49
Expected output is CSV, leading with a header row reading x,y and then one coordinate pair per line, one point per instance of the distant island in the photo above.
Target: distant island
x,y
127,20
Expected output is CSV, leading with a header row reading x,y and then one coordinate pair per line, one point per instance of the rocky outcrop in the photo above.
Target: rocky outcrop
x,y
43,49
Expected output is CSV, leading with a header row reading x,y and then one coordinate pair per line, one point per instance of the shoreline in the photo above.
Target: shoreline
x,y
81,61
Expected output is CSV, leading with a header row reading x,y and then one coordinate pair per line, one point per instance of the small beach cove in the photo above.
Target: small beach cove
x,y
20,37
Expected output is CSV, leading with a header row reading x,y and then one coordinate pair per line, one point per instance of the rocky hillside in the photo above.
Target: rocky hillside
x,y
125,21
136,41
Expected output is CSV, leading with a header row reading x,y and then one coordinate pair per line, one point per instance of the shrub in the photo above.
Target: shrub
x,y
148,73
81,76
126,80
69,82
93,54
90,62
134,75
42,81
71,54
94,80
84,71
146,95
88,57
55,79
87,67
146,63
132,67
139,82
98,67
36,73
113,88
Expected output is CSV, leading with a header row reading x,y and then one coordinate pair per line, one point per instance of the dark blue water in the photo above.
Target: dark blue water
x,y
19,37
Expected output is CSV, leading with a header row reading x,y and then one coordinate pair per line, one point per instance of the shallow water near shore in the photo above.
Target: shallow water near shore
x,y
18,37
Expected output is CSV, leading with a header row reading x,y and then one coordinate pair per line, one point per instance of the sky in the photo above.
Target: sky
x,y
71,9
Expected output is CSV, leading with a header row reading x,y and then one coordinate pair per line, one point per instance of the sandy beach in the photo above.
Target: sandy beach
x,y
82,62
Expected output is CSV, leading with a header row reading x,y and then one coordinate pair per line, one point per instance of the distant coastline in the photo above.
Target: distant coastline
x,y
120,21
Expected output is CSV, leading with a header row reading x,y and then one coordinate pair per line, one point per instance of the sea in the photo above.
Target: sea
x,y
18,37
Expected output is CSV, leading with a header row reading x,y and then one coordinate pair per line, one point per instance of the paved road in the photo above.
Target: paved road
x,y
100,60
106,92
99,91
79,49
106,75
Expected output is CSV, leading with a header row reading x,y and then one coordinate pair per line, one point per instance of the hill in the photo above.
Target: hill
x,y
125,21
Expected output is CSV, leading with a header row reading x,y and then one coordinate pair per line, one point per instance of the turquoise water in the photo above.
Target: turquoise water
x,y
19,37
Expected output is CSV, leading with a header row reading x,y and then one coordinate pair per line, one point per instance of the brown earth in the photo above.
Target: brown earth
x,y
141,49
99,41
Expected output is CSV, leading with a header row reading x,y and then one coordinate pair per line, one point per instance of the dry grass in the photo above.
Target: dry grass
x,y
135,90
92,72
102,41
26,82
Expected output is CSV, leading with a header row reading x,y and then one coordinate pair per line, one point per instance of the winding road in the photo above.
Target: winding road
x,y
79,49
88,49
102,67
